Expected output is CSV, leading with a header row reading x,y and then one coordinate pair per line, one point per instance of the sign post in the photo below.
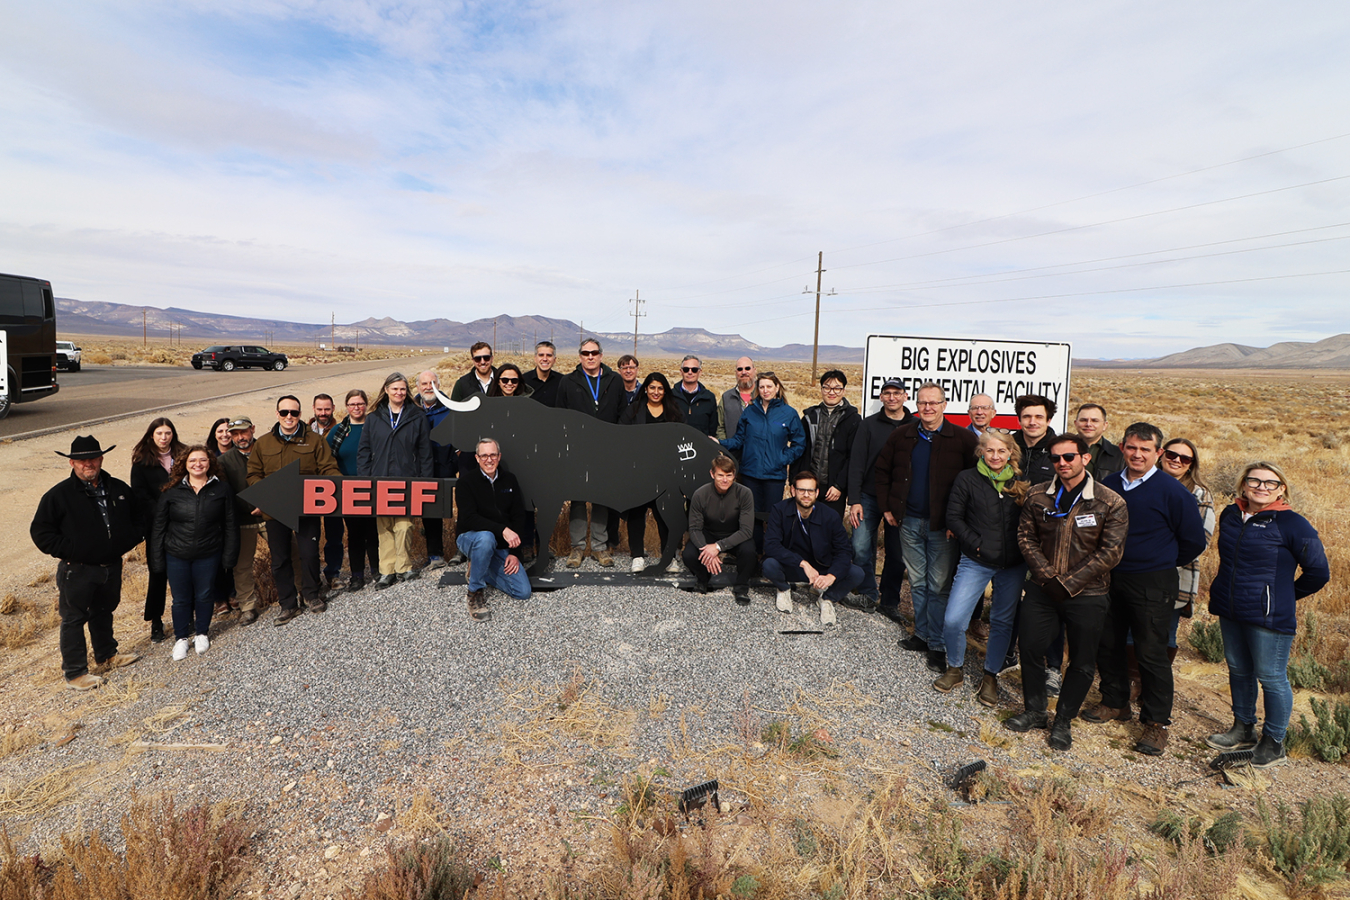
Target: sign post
x,y
1005,370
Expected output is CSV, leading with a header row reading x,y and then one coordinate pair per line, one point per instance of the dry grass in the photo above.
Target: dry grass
x,y
41,794
551,719
17,740
104,351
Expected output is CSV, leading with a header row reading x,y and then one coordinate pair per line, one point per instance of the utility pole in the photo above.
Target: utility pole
x,y
332,330
145,331
815,342
494,335
636,314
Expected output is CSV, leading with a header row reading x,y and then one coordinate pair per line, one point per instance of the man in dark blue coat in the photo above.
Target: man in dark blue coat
x,y
804,542
1165,532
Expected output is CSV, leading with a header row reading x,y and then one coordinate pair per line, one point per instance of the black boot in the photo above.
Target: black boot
x,y
1033,717
1269,752
157,631
1061,734
1240,737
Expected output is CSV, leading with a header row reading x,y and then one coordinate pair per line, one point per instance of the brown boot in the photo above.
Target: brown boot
x,y
1103,713
478,608
988,693
1153,741
949,680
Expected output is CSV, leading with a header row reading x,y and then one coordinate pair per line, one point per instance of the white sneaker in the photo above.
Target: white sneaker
x,y
827,613
180,649
785,601
203,643
639,563
675,567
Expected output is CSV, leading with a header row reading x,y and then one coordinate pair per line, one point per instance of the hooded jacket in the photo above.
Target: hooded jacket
x,y
401,450
768,440
1255,583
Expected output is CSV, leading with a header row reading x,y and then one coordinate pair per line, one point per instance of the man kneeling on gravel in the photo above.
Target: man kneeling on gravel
x,y
490,522
807,542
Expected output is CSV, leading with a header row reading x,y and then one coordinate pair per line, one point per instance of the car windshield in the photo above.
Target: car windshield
x,y
219,348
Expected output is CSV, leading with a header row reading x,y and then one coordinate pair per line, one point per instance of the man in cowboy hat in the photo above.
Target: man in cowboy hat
x,y
87,522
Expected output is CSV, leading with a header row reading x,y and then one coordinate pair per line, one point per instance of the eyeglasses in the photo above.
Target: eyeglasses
x,y
288,412
981,409
509,380
745,368
489,456
1067,457
1174,456
931,403
833,389
807,490
355,405
590,352
689,369
1255,483
487,358
999,430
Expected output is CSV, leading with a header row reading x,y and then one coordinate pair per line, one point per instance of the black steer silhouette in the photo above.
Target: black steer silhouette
x,y
559,455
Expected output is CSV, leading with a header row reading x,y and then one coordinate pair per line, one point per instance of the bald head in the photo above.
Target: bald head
x,y
745,373
427,382
981,411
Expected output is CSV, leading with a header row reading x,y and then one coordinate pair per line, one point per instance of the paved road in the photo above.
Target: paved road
x,y
101,393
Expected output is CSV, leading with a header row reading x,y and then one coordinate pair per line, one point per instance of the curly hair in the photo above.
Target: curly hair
x,y
179,470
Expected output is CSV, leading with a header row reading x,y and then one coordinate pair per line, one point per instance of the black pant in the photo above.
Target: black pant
x,y
332,545
1082,617
88,595
363,545
435,531
156,590
637,529
283,569
1141,603
745,561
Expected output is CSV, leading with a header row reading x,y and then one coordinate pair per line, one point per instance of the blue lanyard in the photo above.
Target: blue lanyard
x,y
926,435
595,390
394,421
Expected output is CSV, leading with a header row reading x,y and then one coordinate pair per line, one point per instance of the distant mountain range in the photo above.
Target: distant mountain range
x,y
1329,353
511,333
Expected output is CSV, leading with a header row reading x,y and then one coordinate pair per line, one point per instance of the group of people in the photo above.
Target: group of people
x,y
1085,547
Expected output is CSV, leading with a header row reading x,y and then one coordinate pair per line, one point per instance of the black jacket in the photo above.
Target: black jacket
x,y
545,392
841,447
234,466
699,410
867,443
404,452
147,483
575,393
984,521
490,506
1036,465
638,414
1107,459
69,525
824,543
195,524
468,385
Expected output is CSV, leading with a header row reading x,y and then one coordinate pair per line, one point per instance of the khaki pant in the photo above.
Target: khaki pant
x,y
245,591
394,533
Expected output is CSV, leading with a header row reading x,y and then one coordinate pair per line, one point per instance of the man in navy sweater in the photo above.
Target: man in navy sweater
x,y
804,541
1165,532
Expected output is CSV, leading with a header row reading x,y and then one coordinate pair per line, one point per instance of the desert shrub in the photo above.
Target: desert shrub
x,y
421,870
1306,672
1329,739
1313,850
1207,638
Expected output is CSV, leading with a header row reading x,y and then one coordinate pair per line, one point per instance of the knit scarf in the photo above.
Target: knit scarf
x,y
998,479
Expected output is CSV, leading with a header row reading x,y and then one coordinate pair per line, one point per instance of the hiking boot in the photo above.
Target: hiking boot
x,y
1025,721
604,558
936,661
860,602
1103,713
988,692
85,682
356,583
386,581
784,601
1153,741
478,608
286,615
317,606
435,562
827,616
574,558
1061,733
1268,753
739,593
950,680
410,575
116,661
914,643
157,631
248,617
1240,737
892,613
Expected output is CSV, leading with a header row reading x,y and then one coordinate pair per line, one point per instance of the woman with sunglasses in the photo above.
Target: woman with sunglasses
x,y
770,437
653,406
509,383
1262,543
1181,460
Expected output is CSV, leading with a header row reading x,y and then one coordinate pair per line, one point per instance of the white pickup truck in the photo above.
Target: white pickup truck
x,y
67,356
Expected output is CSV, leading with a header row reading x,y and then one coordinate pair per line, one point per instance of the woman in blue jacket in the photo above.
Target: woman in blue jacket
x,y
770,438
1262,542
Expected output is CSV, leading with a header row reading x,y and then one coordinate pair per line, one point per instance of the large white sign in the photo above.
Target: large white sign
x,y
1005,370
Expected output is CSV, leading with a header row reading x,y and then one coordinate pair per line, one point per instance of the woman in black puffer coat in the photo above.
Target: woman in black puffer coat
x,y
194,536
982,512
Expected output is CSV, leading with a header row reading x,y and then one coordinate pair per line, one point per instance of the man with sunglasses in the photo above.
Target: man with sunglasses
x,y
1165,532
595,389
696,403
1072,534
737,398
291,440
476,381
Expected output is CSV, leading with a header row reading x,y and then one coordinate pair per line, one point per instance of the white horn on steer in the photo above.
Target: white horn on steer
x,y
457,405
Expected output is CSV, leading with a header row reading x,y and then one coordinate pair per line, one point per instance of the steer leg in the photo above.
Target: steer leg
x,y
546,511
670,507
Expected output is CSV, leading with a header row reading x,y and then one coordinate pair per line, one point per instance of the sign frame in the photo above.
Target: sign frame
x,y
4,362
1003,369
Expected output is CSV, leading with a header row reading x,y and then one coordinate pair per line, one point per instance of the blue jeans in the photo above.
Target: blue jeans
x,y
767,492
1258,655
967,587
192,582
930,559
779,576
865,554
487,565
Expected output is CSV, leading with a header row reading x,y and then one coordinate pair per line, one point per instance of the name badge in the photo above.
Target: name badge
x,y
1085,521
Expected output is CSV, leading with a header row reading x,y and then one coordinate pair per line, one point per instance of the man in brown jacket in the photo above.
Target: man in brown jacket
x,y
288,441
914,475
1072,534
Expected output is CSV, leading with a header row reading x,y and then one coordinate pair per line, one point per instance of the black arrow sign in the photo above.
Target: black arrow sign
x,y
286,495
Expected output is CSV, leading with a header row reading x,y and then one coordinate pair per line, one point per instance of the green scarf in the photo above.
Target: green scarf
x,y
999,479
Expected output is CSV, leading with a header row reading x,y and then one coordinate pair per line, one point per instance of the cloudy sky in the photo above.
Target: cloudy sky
x,y
1136,178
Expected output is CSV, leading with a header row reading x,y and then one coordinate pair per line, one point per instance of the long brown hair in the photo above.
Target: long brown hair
x,y
179,470
1017,488
383,398
1191,478
146,453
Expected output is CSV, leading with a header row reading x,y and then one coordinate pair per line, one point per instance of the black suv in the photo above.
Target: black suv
x,y
227,358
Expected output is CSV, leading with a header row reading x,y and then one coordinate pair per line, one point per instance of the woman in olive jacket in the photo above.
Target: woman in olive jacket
x,y
194,536
983,510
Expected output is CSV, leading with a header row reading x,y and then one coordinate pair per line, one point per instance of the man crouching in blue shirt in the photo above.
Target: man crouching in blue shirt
x,y
805,542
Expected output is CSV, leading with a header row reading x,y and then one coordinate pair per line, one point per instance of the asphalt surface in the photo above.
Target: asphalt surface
x,y
103,393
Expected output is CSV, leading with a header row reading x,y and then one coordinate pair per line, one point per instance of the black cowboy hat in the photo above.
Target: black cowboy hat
x,y
85,447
